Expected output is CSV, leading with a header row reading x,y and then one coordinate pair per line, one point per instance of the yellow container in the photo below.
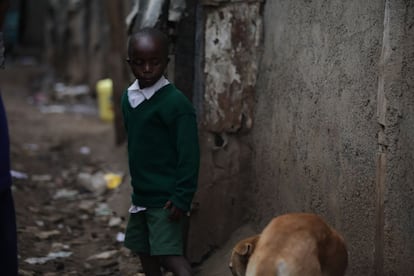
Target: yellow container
x,y
105,104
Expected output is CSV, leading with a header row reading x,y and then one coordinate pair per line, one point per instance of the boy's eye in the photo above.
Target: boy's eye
x,y
135,62
155,62
139,62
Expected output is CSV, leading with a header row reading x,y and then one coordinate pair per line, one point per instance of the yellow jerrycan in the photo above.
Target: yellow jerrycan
x,y
105,104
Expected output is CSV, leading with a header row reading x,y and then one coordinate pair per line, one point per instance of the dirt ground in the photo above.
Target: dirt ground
x,y
65,225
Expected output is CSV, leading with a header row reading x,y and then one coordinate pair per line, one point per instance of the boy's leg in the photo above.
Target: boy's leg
x,y
150,265
178,265
167,241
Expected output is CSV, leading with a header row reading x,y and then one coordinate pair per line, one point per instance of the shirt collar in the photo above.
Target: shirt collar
x,y
148,92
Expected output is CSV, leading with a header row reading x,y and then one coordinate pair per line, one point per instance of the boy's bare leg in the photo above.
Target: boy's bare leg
x,y
150,265
178,265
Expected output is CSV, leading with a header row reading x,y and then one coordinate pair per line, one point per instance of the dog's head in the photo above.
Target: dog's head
x,y
240,255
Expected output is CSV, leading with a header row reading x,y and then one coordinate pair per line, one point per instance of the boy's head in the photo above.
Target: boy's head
x,y
148,55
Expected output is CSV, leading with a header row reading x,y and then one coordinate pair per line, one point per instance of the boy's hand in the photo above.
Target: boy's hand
x,y
175,213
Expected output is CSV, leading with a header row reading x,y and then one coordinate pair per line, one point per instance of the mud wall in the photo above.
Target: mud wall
x,y
231,35
333,126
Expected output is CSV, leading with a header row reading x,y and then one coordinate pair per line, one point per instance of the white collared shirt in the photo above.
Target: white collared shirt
x,y
136,95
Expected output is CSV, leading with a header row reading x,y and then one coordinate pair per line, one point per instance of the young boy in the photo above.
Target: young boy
x,y
163,155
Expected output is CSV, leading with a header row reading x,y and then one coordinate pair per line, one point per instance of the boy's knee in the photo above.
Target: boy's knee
x,y
178,265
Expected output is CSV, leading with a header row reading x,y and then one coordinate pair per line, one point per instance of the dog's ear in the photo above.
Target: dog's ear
x,y
246,248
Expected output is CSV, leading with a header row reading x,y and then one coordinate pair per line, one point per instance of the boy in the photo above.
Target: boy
x,y
163,155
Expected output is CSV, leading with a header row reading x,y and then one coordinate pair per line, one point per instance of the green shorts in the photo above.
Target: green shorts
x,y
151,232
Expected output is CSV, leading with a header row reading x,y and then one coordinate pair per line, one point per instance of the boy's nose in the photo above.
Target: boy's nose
x,y
147,67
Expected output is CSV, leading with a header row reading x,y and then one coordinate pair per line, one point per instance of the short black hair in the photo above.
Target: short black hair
x,y
150,32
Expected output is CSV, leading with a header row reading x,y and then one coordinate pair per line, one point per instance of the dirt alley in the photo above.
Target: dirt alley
x,y
55,214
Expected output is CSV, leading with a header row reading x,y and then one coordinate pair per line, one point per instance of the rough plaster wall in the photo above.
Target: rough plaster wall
x,y
396,116
315,127
232,37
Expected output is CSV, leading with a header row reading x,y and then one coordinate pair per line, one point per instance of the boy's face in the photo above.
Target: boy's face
x,y
148,59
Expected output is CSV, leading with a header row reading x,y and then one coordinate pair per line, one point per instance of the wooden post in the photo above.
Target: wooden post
x,y
116,61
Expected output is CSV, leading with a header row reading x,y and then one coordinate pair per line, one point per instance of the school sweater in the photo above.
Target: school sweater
x,y
163,150
5,178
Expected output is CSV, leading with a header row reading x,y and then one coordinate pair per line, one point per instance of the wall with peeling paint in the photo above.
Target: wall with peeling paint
x,y
333,129
231,35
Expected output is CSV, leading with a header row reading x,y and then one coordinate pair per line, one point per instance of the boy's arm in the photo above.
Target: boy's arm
x,y
186,134
123,107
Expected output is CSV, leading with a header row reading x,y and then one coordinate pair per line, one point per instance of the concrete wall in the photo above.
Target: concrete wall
x,y
396,117
334,124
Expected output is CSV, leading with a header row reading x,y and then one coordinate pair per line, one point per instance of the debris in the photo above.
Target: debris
x,y
104,255
25,273
85,150
41,177
59,246
113,180
114,221
31,147
50,256
52,109
86,205
93,182
47,234
70,91
120,237
18,175
103,210
65,193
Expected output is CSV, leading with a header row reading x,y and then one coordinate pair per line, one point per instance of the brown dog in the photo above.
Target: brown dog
x,y
241,254
295,244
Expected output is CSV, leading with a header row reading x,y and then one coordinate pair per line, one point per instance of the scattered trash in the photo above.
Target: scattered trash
x,y
104,255
63,90
52,109
84,217
114,221
18,175
41,178
25,273
57,246
95,183
50,256
120,237
47,234
103,210
73,108
113,180
85,150
65,193
86,205
31,147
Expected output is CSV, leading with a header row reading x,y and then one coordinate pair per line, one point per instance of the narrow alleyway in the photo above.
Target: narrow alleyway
x,y
60,154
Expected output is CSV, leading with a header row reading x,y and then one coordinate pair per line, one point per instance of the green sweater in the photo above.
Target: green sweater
x,y
163,149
